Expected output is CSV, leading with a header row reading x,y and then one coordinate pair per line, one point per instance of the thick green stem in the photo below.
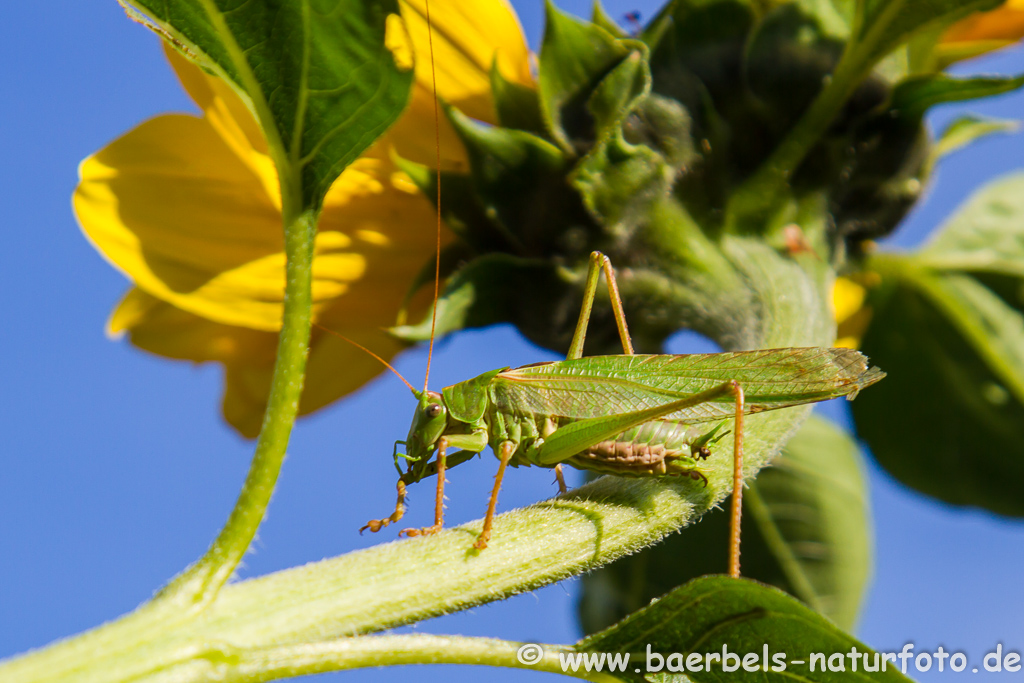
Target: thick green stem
x,y
199,584
257,665
388,585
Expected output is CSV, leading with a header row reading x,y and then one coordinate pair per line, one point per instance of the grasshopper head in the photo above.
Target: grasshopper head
x,y
428,425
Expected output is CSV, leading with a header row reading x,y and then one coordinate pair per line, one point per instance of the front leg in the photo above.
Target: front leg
x,y
442,447
376,525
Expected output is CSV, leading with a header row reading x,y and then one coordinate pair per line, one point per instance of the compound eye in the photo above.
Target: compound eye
x,y
433,410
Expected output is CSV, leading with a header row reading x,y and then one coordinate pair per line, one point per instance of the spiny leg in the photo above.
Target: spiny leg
x,y
737,485
599,261
507,449
442,447
562,488
376,525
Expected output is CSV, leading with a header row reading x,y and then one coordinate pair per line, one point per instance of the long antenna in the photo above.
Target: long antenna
x,y
437,146
360,346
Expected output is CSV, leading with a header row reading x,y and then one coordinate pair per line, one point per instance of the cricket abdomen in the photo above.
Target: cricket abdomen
x,y
654,449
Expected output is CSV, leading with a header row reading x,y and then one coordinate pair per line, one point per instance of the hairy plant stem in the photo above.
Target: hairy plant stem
x,y
257,665
198,585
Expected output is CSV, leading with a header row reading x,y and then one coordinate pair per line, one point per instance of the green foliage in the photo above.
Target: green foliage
x,y
948,323
965,130
717,613
915,96
575,57
883,25
317,75
517,105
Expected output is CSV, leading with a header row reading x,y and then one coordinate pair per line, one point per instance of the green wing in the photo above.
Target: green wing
x,y
606,385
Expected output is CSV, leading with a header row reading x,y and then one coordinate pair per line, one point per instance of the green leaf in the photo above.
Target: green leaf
x,y
575,56
986,234
965,130
462,210
915,96
805,530
316,74
884,25
812,509
654,30
618,94
949,421
949,326
716,614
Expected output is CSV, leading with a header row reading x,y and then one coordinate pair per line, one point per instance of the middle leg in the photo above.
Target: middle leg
x,y
507,449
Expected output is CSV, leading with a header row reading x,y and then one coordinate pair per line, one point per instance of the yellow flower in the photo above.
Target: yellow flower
x,y
982,32
188,207
851,315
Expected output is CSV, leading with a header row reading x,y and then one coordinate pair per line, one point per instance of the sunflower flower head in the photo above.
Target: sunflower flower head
x,y
189,209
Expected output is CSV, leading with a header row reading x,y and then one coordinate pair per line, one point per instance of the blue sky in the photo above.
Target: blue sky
x,y
117,470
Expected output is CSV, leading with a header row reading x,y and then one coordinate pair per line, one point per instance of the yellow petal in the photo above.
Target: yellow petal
x,y
174,208
335,367
396,39
982,32
225,112
247,355
851,315
163,329
394,229
847,298
468,35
